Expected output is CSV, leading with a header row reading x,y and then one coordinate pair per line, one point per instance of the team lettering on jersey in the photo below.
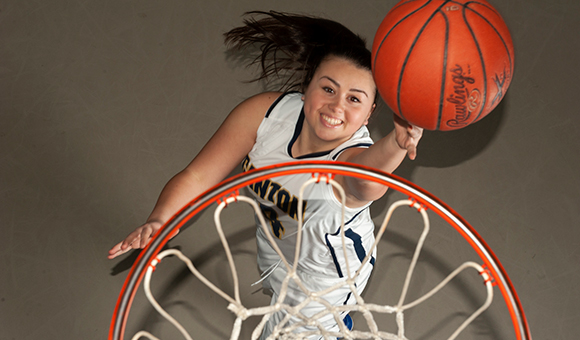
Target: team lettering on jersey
x,y
271,191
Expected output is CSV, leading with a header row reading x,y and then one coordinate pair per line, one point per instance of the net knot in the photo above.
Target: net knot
x,y
240,311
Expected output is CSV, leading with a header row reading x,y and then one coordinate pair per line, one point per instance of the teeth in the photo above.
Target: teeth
x,y
331,121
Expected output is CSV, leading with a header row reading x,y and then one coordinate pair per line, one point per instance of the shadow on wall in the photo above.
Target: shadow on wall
x,y
439,149
395,253
450,148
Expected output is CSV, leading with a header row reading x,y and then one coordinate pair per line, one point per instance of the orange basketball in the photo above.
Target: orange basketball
x,y
442,64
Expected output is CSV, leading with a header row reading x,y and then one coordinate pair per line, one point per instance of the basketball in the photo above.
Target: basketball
x,y
441,64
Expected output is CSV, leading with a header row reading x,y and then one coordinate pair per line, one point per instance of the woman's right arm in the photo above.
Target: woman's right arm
x,y
223,152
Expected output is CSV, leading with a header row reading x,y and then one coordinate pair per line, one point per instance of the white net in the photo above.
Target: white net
x,y
295,324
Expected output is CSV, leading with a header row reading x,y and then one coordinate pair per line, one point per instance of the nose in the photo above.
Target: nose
x,y
336,105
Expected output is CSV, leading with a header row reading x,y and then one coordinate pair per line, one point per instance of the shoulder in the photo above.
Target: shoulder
x,y
286,103
260,102
250,112
246,117
269,104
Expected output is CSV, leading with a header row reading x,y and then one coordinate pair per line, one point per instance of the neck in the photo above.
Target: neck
x,y
306,145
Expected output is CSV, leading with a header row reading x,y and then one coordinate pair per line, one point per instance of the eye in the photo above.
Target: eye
x,y
354,99
327,89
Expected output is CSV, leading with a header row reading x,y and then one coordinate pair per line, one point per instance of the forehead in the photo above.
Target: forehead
x,y
345,71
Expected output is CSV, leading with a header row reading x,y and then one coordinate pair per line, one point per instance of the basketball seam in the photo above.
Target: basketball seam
x,y
409,54
482,4
496,32
444,72
395,25
482,60
406,2
494,28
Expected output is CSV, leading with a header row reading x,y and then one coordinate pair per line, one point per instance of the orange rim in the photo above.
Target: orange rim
x,y
230,185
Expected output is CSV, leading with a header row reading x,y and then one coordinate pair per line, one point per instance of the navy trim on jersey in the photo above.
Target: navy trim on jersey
x,y
359,145
334,258
357,242
277,101
348,297
297,130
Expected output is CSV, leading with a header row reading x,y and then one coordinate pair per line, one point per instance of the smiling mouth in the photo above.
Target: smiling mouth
x,y
331,121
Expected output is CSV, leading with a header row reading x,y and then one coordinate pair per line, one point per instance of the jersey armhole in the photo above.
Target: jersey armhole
x,y
275,103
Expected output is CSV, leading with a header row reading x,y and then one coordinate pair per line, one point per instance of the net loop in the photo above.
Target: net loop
x,y
487,276
323,176
153,264
417,205
229,198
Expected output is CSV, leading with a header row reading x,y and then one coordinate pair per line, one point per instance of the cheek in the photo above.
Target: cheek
x,y
313,102
360,118
365,113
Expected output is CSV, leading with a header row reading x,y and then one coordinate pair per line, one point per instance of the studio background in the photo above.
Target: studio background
x,y
101,102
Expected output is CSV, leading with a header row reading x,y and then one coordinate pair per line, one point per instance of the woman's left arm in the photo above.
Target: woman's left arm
x,y
386,154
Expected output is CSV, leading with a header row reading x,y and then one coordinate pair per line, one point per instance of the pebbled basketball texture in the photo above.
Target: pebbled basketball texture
x,y
442,64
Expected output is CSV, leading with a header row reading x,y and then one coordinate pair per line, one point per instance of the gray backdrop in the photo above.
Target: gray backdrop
x,y
101,102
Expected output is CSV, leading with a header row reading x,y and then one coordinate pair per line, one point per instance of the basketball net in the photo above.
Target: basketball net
x,y
296,325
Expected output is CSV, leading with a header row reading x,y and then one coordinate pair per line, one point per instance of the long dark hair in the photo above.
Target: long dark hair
x,y
292,46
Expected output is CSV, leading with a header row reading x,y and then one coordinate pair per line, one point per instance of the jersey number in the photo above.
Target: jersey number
x,y
272,216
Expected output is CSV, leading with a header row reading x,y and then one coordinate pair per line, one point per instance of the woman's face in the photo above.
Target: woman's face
x,y
337,102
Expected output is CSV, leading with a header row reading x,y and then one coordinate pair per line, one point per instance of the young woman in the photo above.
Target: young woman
x,y
326,120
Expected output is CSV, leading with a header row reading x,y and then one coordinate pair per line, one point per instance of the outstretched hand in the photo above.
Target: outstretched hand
x,y
138,239
407,136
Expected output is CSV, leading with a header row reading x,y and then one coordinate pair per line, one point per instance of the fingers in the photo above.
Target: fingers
x,y
414,134
138,239
133,240
412,152
116,252
123,247
145,236
113,251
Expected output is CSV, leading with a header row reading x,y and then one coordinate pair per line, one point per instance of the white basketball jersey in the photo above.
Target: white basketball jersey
x,y
322,260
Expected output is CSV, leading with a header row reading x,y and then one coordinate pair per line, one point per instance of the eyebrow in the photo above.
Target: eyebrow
x,y
338,85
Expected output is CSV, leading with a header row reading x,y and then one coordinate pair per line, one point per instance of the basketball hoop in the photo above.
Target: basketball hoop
x,y
227,192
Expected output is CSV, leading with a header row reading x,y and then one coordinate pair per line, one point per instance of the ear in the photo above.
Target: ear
x,y
370,114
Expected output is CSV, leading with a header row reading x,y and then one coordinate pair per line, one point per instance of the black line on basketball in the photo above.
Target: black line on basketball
x,y
392,28
496,31
444,71
501,91
484,5
406,2
409,54
482,64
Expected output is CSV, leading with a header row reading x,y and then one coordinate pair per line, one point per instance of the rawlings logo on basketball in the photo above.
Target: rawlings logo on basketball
x,y
473,100
465,100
